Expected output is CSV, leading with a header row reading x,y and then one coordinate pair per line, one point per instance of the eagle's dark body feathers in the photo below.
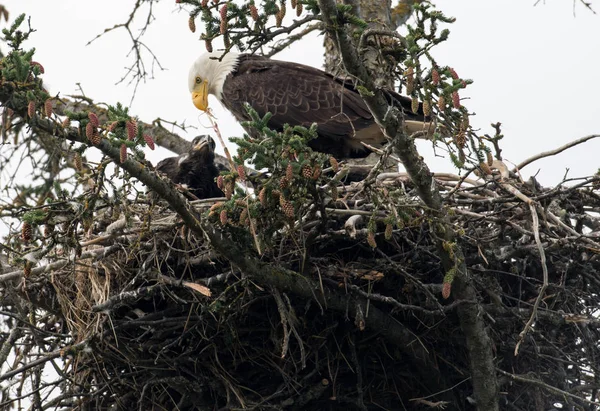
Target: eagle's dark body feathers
x,y
301,95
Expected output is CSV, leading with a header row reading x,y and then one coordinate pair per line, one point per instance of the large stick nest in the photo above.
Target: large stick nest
x,y
135,327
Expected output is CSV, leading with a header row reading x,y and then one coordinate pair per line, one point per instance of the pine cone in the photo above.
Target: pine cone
x,y
415,105
223,216
123,153
192,24
316,172
132,129
441,103
31,109
262,197
306,171
435,77
453,73
427,107
289,172
446,290
112,126
371,240
26,232
388,231
94,119
48,109
78,162
253,12
334,164
241,172
208,45
66,122
455,99
299,8
286,207
284,182
220,182
150,141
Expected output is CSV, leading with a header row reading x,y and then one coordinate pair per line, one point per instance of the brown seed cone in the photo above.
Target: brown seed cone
x,y
77,161
253,12
485,168
48,109
215,206
427,107
204,3
461,139
66,122
276,193
241,172
299,8
282,10
294,3
415,105
316,172
26,232
31,109
123,153
223,27
453,74
112,126
306,171
27,269
96,138
220,182
223,12
371,240
132,129
208,45
229,189
262,197
279,18
284,182
410,86
388,231
94,119
435,77
334,164
286,207
223,217
446,290
490,159
38,65
192,24
455,99
244,217
150,141
441,103
289,172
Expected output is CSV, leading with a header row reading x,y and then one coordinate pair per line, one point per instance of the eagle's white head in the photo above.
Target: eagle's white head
x,y
207,76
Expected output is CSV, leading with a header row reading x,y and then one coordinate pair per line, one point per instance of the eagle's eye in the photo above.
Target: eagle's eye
x,y
198,80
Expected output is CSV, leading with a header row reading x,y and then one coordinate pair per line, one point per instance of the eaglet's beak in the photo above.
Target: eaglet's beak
x,y
202,143
200,96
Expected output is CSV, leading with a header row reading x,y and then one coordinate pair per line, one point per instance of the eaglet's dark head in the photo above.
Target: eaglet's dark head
x,y
195,169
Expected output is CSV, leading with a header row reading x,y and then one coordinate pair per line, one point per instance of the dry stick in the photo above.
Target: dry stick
x,y
558,150
545,386
215,127
538,241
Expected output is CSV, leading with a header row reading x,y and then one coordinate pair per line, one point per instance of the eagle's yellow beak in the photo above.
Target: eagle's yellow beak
x,y
200,96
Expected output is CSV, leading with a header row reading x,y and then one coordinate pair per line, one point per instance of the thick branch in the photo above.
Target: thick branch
x,y
390,120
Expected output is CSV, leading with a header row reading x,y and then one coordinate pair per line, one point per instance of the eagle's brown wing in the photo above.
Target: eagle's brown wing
x,y
301,95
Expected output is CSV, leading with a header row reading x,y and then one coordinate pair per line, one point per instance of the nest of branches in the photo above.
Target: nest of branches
x,y
351,309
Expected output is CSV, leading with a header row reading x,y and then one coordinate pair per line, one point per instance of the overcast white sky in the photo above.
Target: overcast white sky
x,y
534,69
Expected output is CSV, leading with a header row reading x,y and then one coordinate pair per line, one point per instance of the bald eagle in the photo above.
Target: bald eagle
x,y
196,169
297,95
